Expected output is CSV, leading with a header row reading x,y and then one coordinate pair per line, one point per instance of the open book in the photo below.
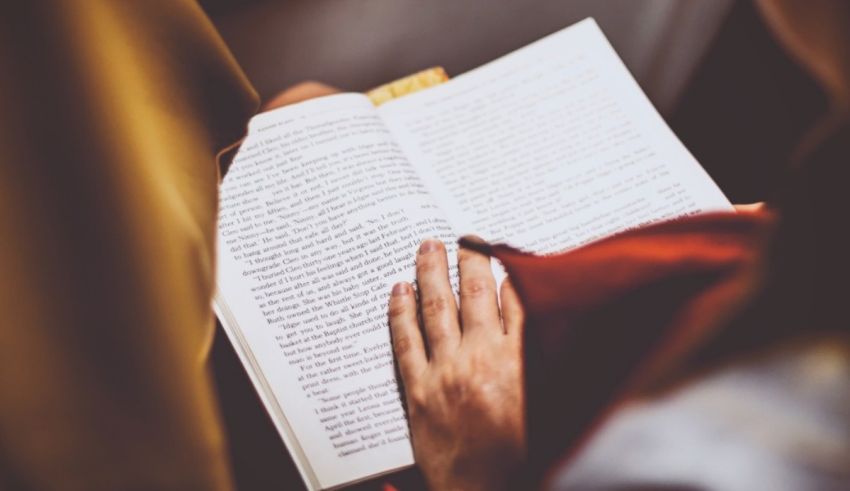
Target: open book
x,y
548,148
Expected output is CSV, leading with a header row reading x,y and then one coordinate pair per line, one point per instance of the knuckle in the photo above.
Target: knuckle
x,y
435,305
427,265
453,387
476,287
396,309
402,345
417,400
448,379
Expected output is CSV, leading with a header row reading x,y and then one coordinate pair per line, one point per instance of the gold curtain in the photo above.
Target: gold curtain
x,y
112,113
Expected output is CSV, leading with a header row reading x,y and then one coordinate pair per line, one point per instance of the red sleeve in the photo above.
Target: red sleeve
x,y
619,316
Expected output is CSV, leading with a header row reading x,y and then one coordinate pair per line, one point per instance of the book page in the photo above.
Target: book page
x,y
550,147
320,214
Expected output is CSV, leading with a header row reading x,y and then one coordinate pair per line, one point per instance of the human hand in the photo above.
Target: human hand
x,y
299,93
465,395
751,207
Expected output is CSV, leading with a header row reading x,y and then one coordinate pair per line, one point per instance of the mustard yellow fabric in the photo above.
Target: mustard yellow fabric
x,y
112,113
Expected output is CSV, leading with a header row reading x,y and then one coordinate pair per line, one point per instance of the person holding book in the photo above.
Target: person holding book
x,y
119,119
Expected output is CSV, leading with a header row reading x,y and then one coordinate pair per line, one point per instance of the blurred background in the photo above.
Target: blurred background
x,y
710,67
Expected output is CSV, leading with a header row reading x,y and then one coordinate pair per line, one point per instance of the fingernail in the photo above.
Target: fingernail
x,y
429,245
475,243
400,289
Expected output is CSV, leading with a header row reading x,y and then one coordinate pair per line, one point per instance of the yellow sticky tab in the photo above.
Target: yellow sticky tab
x,y
407,85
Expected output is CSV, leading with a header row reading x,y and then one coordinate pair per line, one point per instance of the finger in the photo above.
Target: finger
x,y
437,302
750,208
407,339
298,93
479,308
513,316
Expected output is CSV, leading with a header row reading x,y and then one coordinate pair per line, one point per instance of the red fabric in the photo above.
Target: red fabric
x,y
622,315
